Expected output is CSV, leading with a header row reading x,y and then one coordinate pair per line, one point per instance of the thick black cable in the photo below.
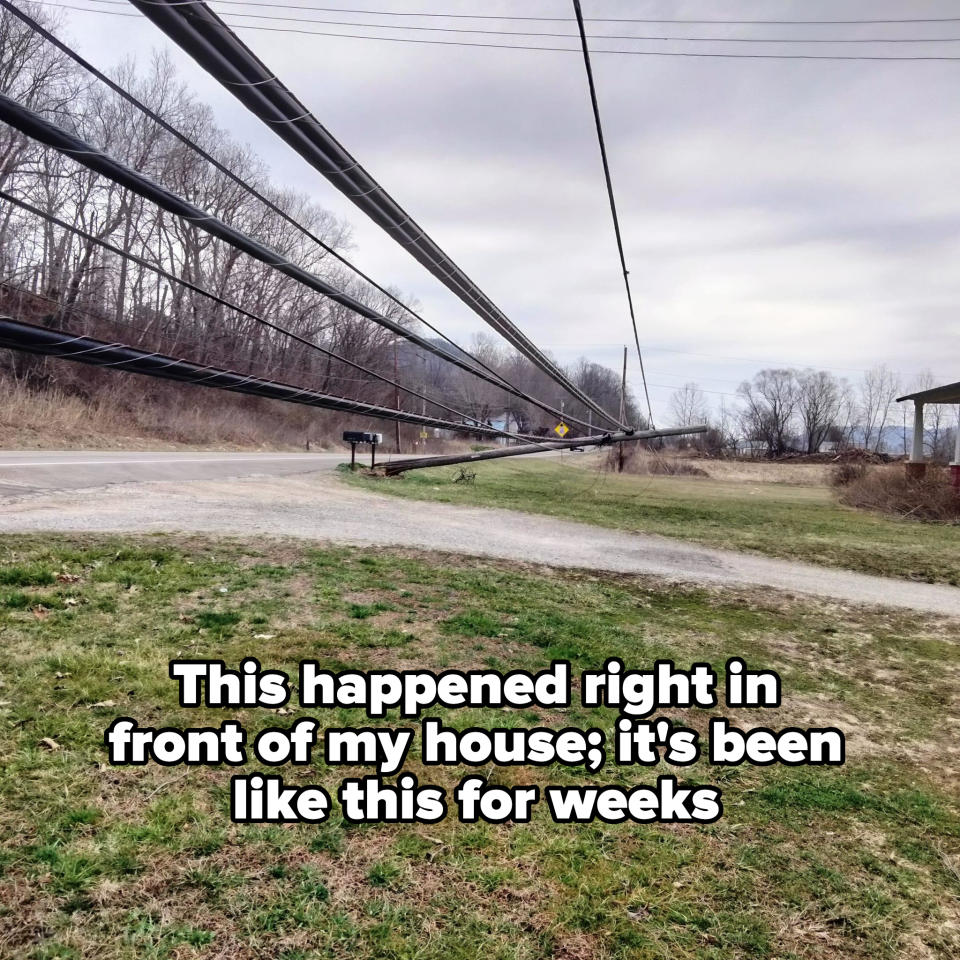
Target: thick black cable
x,y
205,37
613,202
33,125
545,49
222,301
30,338
156,118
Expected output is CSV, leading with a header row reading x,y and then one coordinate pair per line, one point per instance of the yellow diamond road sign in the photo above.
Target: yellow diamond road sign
x,y
561,429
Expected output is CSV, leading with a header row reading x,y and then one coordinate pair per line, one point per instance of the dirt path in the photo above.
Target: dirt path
x,y
318,506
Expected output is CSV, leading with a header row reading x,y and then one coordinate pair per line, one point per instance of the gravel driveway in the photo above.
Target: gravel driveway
x,y
320,507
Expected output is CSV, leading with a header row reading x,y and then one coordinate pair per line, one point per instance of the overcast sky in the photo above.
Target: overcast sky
x,y
795,212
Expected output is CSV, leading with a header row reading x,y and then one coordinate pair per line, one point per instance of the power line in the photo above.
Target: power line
x,y
569,36
490,16
491,376
30,338
205,37
613,202
682,54
499,380
35,126
222,301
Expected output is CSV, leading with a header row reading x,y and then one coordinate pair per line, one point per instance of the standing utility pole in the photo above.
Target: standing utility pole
x,y
623,405
396,392
562,420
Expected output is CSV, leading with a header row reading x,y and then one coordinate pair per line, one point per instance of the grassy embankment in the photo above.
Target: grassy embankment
x,y
777,519
862,861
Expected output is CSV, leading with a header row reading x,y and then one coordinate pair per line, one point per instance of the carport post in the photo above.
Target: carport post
x,y
916,465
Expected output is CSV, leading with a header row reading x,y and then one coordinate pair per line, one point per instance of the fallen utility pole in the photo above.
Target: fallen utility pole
x,y
400,466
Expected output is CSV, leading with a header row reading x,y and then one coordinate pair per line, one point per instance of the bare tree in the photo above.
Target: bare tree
x,y
820,399
878,392
769,404
689,405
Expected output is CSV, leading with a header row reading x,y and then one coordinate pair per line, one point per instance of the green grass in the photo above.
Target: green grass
x,y
861,861
776,519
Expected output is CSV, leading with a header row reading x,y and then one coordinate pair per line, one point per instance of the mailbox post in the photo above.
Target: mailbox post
x,y
353,437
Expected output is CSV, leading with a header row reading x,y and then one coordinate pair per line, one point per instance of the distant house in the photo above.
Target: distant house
x,y
756,449
501,422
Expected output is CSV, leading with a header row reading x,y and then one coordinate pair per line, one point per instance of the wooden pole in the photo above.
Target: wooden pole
x,y
396,393
623,408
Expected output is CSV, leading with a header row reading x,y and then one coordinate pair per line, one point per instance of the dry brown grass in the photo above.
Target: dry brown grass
x,y
652,464
889,490
843,474
134,414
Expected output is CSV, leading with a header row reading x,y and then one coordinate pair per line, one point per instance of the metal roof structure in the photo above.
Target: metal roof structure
x,y
949,393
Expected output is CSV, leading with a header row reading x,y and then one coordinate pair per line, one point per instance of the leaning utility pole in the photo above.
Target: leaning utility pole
x,y
623,406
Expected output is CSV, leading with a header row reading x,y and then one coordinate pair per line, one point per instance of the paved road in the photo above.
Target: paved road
x,y
319,506
30,471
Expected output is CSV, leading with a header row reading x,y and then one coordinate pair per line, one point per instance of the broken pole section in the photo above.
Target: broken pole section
x,y
525,449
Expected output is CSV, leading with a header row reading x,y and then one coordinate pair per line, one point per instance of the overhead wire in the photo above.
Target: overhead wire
x,y
610,196
500,380
34,125
493,16
467,419
31,338
681,54
548,35
217,49
31,123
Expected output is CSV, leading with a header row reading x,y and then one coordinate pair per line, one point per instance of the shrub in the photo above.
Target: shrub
x,y
889,490
850,471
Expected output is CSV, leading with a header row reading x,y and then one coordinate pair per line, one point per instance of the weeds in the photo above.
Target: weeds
x,y
931,499
649,463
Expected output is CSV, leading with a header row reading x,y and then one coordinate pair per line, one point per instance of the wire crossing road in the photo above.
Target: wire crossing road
x,y
320,507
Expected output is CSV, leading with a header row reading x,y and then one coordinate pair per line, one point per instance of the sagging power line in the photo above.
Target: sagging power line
x,y
206,38
222,301
681,54
612,199
30,338
485,372
37,127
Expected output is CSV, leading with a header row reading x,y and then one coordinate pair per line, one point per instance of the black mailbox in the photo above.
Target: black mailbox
x,y
359,436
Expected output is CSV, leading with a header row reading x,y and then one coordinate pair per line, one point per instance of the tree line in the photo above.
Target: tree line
x,y
788,410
